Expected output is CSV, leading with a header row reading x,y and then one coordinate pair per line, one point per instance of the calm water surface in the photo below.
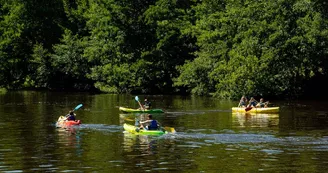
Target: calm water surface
x,y
209,138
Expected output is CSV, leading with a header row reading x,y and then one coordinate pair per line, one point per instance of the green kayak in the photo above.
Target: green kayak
x,y
137,130
130,110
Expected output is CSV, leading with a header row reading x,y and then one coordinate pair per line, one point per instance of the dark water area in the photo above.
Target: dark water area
x,y
208,138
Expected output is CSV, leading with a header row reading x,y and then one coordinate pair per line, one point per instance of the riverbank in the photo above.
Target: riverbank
x,y
3,90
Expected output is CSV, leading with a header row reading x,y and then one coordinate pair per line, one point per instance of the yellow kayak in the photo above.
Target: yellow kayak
x,y
257,110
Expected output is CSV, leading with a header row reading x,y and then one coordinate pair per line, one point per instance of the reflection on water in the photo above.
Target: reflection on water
x,y
143,143
155,153
70,138
70,142
256,119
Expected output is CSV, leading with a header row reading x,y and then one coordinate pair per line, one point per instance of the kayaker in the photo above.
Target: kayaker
x,y
252,102
150,123
147,104
262,104
70,116
242,102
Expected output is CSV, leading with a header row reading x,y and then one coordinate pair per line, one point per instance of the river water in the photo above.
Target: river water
x,y
208,138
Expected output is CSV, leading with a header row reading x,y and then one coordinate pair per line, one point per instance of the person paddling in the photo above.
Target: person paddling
x,y
242,102
70,116
252,103
262,104
147,104
150,123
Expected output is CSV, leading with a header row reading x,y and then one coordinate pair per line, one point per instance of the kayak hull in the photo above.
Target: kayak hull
x,y
130,110
63,123
257,110
137,130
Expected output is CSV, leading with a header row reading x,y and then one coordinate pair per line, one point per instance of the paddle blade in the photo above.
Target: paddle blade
x,y
169,129
78,107
248,109
136,98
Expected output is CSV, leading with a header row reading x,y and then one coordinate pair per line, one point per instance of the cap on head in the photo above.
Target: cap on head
x,y
71,113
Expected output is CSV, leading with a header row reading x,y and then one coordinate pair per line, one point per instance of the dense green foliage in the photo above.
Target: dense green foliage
x,y
221,47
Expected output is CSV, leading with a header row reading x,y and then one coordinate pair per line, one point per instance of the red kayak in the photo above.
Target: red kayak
x,y
63,123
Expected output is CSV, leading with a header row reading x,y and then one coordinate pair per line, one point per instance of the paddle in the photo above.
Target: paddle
x,y
248,108
137,99
77,107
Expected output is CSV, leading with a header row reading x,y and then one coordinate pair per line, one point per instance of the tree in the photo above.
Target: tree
x,y
11,57
70,65
263,48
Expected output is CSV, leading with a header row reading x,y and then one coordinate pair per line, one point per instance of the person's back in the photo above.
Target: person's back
x,y
71,116
153,125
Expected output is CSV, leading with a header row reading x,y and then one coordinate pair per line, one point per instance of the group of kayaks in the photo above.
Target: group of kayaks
x,y
234,109
63,123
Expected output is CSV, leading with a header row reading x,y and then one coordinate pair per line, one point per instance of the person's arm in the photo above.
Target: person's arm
x,y
142,107
143,122
67,116
266,104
